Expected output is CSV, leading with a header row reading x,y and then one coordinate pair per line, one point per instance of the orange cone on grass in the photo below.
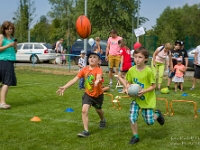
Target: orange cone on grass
x,y
35,119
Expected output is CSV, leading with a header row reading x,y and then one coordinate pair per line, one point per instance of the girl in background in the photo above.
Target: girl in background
x,y
97,48
126,62
179,70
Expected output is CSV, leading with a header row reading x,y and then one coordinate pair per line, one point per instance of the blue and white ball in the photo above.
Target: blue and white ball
x,y
133,90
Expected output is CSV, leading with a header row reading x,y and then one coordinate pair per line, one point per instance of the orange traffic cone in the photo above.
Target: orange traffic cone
x,y
35,119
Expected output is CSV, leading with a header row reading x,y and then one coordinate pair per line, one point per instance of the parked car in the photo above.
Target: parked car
x,y
191,57
79,45
34,52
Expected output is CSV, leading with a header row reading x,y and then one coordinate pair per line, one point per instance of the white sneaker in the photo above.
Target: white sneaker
x,y
110,84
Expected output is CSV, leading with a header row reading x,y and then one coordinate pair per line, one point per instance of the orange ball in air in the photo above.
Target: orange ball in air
x,y
83,26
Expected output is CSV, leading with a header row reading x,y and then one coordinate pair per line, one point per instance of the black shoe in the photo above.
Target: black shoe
x,y
102,124
134,140
160,119
83,134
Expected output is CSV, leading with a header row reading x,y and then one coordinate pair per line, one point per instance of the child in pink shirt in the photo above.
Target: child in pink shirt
x,y
179,73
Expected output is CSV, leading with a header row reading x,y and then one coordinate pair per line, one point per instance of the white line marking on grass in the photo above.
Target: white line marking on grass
x,y
29,84
52,119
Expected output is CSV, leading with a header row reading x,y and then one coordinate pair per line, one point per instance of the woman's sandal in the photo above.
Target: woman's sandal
x,y
4,106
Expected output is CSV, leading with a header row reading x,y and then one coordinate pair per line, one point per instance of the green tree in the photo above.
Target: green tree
x,y
104,15
177,24
168,25
21,19
38,34
62,15
114,14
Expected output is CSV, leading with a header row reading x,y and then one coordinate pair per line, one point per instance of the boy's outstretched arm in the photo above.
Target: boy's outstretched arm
x,y
98,79
61,90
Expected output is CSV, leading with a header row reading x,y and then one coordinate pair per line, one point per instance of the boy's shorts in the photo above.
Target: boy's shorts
x,y
96,102
147,114
114,61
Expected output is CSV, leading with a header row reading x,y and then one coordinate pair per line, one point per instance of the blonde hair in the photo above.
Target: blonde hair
x,y
97,39
168,46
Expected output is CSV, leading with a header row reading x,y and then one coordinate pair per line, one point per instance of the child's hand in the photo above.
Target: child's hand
x,y
141,92
154,64
126,91
96,82
61,90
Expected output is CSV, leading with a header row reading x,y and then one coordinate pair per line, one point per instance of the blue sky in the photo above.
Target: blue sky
x,y
150,9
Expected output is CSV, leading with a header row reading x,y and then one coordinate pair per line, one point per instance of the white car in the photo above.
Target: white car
x,y
34,52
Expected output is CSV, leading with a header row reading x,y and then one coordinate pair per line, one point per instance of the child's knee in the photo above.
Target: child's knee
x,y
133,120
150,122
84,111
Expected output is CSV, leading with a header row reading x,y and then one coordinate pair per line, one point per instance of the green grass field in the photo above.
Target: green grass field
x,y
35,95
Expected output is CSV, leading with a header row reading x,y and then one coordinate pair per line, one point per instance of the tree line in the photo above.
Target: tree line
x,y
173,23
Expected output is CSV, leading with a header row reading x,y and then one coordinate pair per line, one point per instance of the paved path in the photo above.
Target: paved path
x,y
189,72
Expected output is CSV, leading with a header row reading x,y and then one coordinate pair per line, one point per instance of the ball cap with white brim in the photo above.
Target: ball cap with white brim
x,y
179,59
92,53
83,52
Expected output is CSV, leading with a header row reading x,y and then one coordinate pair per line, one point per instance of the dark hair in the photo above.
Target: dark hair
x,y
6,26
113,31
122,42
177,42
143,51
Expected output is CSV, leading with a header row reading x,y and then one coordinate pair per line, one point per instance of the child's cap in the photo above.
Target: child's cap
x,y
182,43
177,42
179,59
137,45
92,53
83,52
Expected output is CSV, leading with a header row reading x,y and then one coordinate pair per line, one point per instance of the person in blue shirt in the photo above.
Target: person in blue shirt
x,y
8,48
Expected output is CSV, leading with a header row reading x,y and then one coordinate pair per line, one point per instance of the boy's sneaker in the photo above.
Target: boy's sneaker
x,y
102,124
160,119
83,134
134,140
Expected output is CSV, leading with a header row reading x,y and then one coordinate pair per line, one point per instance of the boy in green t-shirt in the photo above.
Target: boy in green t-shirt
x,y
146,100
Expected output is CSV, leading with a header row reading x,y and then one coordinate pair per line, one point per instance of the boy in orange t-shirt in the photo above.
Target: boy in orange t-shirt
x,y
93,91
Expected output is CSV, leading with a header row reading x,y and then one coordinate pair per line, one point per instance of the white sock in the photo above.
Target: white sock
x,y
110,80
